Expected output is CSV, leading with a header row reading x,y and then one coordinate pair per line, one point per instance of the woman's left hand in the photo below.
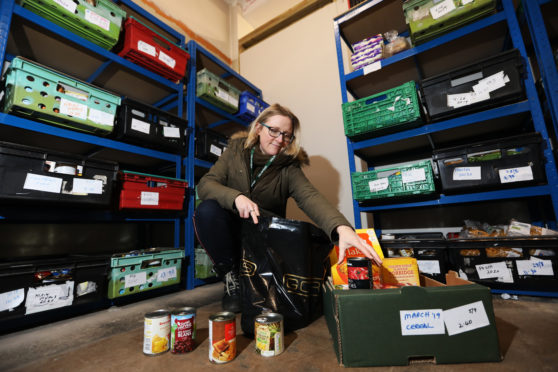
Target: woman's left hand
x,y
349,238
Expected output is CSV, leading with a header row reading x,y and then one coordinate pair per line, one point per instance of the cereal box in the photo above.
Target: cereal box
x,y
339,272
399,272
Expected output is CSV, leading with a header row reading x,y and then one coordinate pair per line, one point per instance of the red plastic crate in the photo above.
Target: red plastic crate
x,y
145,191
146,48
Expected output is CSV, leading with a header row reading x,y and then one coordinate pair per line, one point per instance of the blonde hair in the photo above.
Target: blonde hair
x,y
292,148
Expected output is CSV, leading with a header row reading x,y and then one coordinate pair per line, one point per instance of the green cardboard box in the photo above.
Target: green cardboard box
x,y
452,323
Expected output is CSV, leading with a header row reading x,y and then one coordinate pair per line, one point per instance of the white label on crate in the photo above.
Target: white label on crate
x,y
215,150
465,99
101,117
166,59
429,266
12,299
147,48
491,83
465,2
422,322
97,19
171,132
250,107
131,280
140,126
233,101
442,9
372,67
166,274
49,297
466,173
492,270
222,94
69,5
516,174
87,186
42,183
149,198
507,277
534,266
413,175
465,318
378,185
75,109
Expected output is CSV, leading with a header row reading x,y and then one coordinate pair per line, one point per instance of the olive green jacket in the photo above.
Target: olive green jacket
x,y
229,177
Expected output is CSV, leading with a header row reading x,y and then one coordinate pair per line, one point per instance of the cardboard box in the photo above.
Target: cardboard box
x,y
436,323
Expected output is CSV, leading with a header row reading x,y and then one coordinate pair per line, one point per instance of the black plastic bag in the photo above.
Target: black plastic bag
x,y
283,267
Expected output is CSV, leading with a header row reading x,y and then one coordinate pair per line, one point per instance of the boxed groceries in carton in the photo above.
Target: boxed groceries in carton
x,y
451,323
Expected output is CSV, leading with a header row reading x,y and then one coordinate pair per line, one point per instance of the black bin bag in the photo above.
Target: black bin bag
x,y
283,267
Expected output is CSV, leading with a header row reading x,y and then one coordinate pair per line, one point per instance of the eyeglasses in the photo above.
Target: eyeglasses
x,y
274,132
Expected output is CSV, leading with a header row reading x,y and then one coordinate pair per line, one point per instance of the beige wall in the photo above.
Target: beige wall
x,y
298,68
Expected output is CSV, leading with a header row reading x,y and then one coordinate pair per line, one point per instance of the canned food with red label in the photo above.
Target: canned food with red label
x,y
183,330
222,337
359,273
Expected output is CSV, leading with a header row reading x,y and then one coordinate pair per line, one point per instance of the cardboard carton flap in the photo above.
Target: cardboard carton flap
x,y
453,279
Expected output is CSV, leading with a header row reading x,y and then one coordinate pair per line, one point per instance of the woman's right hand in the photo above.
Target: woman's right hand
x,y
247,208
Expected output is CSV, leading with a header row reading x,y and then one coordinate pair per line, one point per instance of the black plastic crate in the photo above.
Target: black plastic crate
x,y
36,291
210,144
430,250
36,174
496,164
453,94
481,259
149,126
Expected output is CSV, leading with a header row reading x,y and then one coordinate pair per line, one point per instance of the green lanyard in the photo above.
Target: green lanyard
x,y
254,179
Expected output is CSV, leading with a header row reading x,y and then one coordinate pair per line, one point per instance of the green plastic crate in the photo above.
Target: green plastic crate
x,y
389,111
408,180
98,21
204,265
144,270
43,94
217,91
428,19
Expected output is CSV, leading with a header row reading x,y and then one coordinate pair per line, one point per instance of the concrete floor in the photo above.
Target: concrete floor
x,y
111,340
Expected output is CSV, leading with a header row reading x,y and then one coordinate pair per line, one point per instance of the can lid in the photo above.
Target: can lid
x,y
222,316
269,318
157,313
184,310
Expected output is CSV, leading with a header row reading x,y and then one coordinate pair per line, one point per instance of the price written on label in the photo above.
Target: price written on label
x,y
422,322
465,318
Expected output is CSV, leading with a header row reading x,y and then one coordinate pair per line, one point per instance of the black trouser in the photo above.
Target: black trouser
x,y
218,231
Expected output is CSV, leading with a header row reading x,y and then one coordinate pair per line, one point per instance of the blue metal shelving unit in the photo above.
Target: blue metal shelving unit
x,y
9,9
506,15
192,102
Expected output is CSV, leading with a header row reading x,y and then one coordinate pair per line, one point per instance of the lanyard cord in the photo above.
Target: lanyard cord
x,y
257,177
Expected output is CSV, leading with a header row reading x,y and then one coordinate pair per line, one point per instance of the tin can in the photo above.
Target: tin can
x,y
156,332
359,273
268,331
222,337
183,330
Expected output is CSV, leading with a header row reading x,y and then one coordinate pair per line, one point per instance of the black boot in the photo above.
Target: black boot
x,y
231,299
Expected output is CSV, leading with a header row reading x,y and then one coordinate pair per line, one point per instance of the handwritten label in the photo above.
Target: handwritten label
x,y
372,67
491,83
12,299
442,9
466,173
49,297
101,117
534,266
465,318
498,270
422,322
250,107
87,186
149,198
516,174
140,126
166,59
42,183
171,132
413,175
147,48
378,185
97,19
131,280
74,109
465,99
166,274
429,266
69,5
